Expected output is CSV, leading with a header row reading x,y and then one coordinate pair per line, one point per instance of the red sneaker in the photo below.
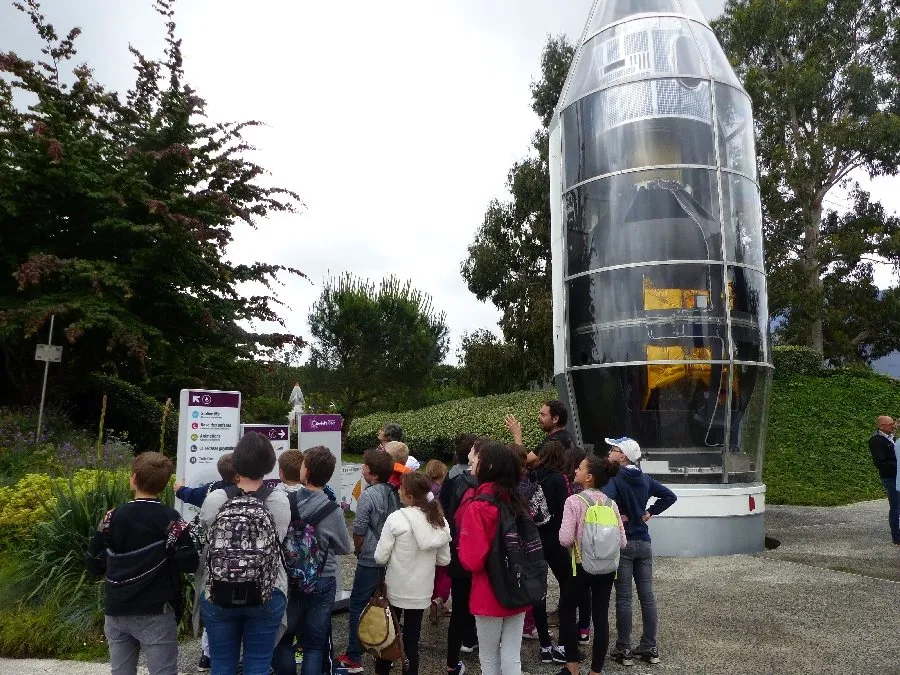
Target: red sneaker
x,y
350,665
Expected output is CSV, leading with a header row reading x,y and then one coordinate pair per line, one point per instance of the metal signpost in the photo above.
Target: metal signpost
x,y
46,353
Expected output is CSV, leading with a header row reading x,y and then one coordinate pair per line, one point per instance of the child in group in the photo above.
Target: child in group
x,y
529,630
195,497
399,451
309,614
142,548
436,472
413,541
290,465
499,628
241,589
374,506
592,474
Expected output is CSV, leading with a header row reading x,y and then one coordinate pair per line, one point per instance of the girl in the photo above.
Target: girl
x,y
550,474
413,541
436,472
499,628
592,474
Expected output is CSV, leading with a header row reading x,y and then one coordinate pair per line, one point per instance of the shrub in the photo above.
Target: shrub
x,y
429,432
791,360
264,410
130,410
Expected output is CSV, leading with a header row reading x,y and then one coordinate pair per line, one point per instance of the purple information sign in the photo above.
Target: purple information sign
x,y
214,399
275,432
321,423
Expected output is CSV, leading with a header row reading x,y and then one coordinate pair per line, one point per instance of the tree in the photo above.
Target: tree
x,y
509,261
374,345
490,365
823,77
115,215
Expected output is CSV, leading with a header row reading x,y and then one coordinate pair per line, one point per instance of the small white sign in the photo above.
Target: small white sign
x,y
51,353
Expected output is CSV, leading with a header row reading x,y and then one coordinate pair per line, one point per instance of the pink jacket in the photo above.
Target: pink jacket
x,y
573,517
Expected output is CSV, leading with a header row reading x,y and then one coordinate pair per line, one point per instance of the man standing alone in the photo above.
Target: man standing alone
x,y
881,445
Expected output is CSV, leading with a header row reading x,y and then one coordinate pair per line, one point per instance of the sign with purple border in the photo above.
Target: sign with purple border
x,y
214,399
321,423
274,432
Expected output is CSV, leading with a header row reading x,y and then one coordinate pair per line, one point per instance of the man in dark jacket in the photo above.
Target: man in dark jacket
x,y
632,489
881,445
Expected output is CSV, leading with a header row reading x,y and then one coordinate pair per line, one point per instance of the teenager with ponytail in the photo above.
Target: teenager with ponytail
x,y
413,541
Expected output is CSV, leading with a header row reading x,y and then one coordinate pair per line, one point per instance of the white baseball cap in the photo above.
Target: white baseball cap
x,y
628,446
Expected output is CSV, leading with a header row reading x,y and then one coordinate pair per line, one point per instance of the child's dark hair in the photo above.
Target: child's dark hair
x,y
253,456
225,465
417,489
319,464
381,464
290,462
152,471
500,465
461,446
601,469
574,455
553,457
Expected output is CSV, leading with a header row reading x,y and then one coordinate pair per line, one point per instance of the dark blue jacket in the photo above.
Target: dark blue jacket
x,y
197,495
631,490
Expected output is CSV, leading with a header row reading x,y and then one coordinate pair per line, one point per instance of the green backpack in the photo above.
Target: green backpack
x,y
600,539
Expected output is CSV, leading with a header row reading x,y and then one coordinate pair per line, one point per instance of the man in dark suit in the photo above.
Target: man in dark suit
x,y
881,445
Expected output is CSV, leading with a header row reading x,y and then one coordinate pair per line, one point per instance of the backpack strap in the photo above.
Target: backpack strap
x,y
316,516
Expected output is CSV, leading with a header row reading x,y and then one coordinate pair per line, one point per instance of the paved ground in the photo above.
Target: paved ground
x,y
826,601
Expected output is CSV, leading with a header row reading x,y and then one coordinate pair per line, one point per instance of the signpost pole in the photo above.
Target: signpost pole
x,y
37,438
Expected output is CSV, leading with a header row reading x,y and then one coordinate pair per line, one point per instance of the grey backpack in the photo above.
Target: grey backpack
x,y
245,554
600,538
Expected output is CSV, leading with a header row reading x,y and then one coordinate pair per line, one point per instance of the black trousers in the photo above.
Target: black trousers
x,y
412,629
600,587
560,563
462,624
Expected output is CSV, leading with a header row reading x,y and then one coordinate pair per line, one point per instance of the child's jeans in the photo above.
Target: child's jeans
x,y
364,583
155,634
309,616
253,627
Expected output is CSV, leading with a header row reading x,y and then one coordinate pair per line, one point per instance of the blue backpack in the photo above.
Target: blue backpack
x,y
304,554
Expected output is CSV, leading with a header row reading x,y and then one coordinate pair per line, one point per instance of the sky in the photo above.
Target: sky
x,y
397,123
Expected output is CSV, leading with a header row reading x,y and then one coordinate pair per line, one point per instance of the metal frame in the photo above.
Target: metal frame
x,y
658,263
657,167
642,15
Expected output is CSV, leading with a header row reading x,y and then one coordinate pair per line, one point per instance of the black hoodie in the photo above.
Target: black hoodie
x,y
142,572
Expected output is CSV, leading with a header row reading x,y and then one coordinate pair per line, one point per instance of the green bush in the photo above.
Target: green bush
x,y
429,432
128,409
817,442
264,410
791,360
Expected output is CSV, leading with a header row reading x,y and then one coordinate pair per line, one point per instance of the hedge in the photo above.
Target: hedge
x,y
816,445
429,432
791,360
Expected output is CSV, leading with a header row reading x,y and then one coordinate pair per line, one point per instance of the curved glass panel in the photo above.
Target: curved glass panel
x,y
735,121
644,216
713,56
680,421
650,313
616,10
749,314
747,434
690,8
650,47
638,124
742,211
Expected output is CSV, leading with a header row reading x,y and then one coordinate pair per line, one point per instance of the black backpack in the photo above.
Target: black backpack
x,y
451,499
515,564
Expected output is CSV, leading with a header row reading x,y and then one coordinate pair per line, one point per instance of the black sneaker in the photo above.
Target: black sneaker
x,y
624,657
648,654
558,654
546,654
204,664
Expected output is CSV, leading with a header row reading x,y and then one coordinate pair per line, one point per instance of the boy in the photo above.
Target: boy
x,y
289,465
375,504
631,489
142,599
309,614
237,609
195,497
399,452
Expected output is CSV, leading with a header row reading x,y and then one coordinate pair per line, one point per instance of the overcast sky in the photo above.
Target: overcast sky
x,y
396,122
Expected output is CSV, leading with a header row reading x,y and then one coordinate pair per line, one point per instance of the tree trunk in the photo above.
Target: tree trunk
x,y
814,284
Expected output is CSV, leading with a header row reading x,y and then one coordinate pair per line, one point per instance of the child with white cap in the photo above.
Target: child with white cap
x,y
632,489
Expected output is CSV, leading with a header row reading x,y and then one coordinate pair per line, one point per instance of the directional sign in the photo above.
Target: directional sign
x,y
51,353
279,434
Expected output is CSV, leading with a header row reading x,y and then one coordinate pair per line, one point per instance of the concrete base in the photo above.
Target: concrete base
x,y
711,520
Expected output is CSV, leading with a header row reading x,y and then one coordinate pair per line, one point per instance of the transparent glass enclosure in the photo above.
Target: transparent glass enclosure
x,y
666,322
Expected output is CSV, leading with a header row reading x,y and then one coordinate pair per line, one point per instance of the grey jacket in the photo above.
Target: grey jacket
x,y
332,530
375,504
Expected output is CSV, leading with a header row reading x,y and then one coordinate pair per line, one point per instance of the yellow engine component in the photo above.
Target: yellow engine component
x,y
672,298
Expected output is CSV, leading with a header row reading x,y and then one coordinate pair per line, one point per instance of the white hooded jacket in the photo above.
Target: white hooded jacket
x,y
411,547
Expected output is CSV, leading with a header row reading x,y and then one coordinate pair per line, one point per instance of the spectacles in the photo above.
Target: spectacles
x,y
617,449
